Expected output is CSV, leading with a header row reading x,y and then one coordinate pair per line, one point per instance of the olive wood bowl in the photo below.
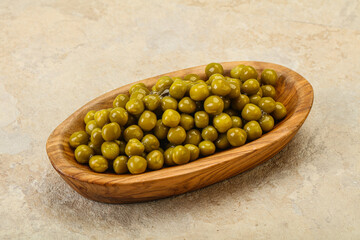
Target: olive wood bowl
x,y
294,91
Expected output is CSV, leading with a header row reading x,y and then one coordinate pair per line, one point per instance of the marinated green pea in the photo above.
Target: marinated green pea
x,y
120,165
133,131
178,89
137,165
268,91
171,118
235,72
220,87
160,130
250,86
201,119
89,116
101,117
111,131
267,104
180,155
176,135
222,122
236,137
138,95
247,72
135,106
119,115
150,143
96,136
212,68
213,77
251,112
78,138
152,101
192,77
269,76
206,148
222,142
163,83
187,121
236,122
136,86
90,126
209,133
260,92
95,148
120,100
235,86
255,98
199,92
110,150
194,151
168,103
155,160
142,90
279,112
266,123
98,163
187,105
134,147
214,105
147,120
83,153
253,130
193,136
168,158
240,102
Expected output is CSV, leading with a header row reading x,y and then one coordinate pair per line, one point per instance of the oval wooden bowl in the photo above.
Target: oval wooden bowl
x,y
292,90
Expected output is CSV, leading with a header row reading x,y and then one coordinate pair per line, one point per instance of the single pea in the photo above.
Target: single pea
x,y
199,92
139,95
187,105
176,135
134,147
133,131
152,101
155,160
192,77
78,138
101,117
193,136
90,126
160,130
267,104
236,122
95,148
171,118
255,98
236,137
83,153
253,130
268,91
209,133
214,105
178,89
136,86
89,116
207,148
201,119
119,115
250,86
135,106
168,158
222,142
168,103
187,121
163,83
240,102
269,76
235,72
120,164
247,72
180,155
96,136
220,87
251,112
212,68
120,100
194,151
280,111
150,142
222,122
213,77
98,163
147,120
235,86
110,150
111,131
266,123
137,165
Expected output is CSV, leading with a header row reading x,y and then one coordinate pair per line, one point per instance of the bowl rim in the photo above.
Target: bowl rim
x,y
63,165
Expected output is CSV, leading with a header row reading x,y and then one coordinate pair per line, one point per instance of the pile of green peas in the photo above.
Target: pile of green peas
x,y
179,120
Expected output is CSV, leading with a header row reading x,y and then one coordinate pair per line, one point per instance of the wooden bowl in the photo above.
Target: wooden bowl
x,y
292,90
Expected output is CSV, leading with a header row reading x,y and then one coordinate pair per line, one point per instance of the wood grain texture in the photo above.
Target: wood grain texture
x,y
294,91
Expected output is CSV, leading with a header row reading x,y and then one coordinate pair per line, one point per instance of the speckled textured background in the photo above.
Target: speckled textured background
x,y
57,55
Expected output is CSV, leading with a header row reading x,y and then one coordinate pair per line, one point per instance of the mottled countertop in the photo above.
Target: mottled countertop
x,y
57,55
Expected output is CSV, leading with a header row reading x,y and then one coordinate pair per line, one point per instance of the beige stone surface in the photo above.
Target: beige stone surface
x,y
57,55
